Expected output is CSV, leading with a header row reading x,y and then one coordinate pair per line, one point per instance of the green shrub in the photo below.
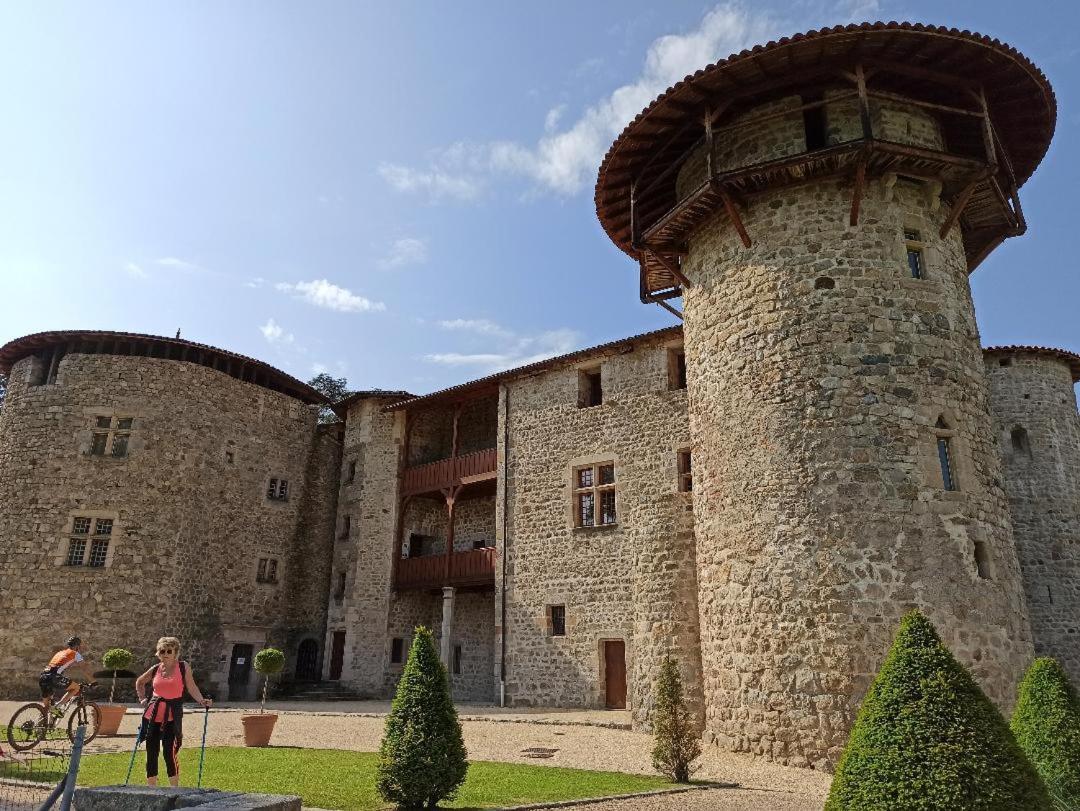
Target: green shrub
x,y
422,755
268,662
1046,724
926,737
116,659
677,741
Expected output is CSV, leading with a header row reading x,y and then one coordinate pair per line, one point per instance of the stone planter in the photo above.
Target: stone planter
x,y
111,716
258,728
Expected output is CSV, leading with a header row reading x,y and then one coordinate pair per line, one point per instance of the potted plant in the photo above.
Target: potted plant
x,y
114,661
259,727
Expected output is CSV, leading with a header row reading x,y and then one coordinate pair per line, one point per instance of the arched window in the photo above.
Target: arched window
x,y
1020,441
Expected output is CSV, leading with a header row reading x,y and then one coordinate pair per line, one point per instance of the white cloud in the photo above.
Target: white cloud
x,y
176,264
328,296
135,271
554,115
406,251
511,349
274,333
565,162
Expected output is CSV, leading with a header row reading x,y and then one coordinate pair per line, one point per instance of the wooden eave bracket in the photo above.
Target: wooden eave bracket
x,y
671,267
959,204
732,210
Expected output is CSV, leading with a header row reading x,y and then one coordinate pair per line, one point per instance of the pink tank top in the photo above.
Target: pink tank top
x,y
171,687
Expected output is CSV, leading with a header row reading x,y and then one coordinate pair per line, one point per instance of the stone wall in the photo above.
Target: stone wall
x,y
1034,406
819,370
190,514
633,581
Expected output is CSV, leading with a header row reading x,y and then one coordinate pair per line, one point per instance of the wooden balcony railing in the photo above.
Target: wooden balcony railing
x,y
475,567
471,467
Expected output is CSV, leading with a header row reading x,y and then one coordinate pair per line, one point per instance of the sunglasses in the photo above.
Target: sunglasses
x,y
166,651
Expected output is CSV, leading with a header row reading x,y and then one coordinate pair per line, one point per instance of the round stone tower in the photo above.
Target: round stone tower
x,y
1034,407
135,479
818,204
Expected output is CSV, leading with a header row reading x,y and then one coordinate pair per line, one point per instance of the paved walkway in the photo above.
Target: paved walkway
x,y
582,739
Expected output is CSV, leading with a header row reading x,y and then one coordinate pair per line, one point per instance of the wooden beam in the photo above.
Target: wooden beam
x,y
864,104
733,215
958,207
671,268
903,69
988,132
669,308
945,108
710,146
856,197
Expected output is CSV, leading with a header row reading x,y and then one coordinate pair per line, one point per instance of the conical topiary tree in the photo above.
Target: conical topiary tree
x,y
1046,724
677,741
926,737
422,758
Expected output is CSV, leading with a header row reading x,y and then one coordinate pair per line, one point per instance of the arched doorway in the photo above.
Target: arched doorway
x,y
307,661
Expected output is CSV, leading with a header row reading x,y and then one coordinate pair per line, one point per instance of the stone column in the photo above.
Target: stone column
x,y
447,624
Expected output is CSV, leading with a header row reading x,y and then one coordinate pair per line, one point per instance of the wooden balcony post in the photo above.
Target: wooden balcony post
x,y
451,496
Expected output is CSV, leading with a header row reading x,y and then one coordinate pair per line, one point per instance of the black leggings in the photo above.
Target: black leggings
x,y
162,736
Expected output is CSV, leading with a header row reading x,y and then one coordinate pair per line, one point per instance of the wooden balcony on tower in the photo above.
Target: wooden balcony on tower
x,y
471,568
469,468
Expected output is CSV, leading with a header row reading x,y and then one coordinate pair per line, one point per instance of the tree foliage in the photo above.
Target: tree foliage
x,y
1046,724
116,659
677,741
926,737
422,758
268,662
335,389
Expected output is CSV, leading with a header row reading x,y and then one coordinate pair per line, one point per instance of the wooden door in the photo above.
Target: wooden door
x,y
337,655
240,672
307,661
615,674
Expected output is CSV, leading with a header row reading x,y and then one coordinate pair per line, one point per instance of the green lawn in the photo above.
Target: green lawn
x,y
330,778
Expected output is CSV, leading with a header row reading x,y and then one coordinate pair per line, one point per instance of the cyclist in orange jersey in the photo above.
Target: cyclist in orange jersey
x,y
52,678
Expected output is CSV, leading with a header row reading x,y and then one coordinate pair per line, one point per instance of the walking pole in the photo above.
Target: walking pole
x,y
202,749
138,740
73,769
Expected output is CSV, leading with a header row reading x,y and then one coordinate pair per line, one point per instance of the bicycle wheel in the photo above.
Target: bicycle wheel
x,y
88,714
27,727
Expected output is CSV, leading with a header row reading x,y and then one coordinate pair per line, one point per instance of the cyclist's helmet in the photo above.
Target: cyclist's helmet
x,y
73,642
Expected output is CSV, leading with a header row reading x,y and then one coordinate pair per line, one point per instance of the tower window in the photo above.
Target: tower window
x,y
1020,442
346,527
686,474
814,123
916,260
350,476
676,369
557,616
982,560
944,449
594,495
278,490
82,539
590,389
397,646
267,571
457,660
111,435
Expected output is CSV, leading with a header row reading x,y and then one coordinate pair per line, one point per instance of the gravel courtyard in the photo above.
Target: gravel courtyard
x,y
502,735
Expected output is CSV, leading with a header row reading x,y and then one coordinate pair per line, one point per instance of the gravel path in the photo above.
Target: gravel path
x,y
502,736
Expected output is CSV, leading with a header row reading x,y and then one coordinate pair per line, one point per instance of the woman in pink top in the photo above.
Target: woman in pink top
x,y
162,727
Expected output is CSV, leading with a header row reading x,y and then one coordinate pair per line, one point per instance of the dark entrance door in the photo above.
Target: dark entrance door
x,y
615,674
307,661
240,672
337,655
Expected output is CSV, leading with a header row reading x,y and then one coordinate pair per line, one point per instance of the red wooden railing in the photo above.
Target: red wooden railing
x,y
448,472
475,567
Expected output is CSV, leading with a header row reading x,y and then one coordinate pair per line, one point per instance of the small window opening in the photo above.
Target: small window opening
x,y
948,480
558,619
824,283
346,527
457,660
1020,442
420,545
229,457
686,473
397,645
111,436
815,124
1005,362
982,559
267,572
590,389
676,369
915,259
339,593
278,490
351,475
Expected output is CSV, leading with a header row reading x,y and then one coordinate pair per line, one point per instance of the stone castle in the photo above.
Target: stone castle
x,y
760,492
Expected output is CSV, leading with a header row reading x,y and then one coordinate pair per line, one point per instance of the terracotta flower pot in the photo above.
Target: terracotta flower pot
x,y
258,728
111,716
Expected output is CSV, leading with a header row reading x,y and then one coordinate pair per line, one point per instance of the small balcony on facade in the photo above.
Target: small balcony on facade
x,y
446,527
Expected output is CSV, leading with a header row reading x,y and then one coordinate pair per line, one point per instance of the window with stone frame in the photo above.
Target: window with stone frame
x,y
267,572
88,544
557,619
590,388
946,454
676,369
916,253
594,495
111,436
456,661
686,472
278,490
397,648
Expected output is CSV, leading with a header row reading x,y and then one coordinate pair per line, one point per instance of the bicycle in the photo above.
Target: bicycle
x,y
31,724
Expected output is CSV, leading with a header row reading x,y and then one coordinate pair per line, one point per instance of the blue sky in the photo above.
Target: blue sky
x,y
401,193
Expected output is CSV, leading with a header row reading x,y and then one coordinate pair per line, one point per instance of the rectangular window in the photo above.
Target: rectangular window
x,y
267,572
590,389
99,552
340,593
92,533
397,645
457,660
558,620
260,576
915,260
111,436
686,472
676,369
76,550
944,450
346,527
594,495
271,571
278,490
351,475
